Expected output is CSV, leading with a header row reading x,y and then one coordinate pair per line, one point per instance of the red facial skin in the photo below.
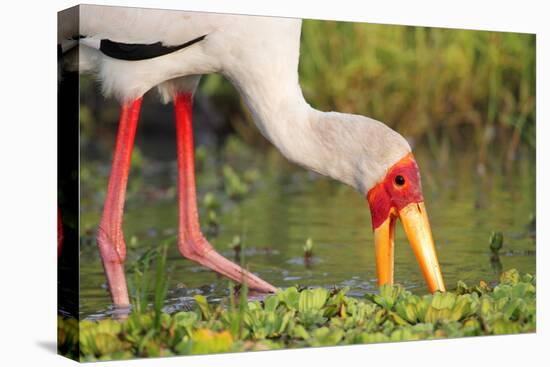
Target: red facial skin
x,y
387,194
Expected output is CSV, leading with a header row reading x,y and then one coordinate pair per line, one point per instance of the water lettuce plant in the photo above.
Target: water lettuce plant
x,y
295,318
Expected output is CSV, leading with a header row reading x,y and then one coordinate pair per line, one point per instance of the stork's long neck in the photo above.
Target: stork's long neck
x,y
279,110
353,149
283,116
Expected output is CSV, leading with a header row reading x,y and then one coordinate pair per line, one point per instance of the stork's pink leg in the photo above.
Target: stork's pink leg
x,y
110,238
191,242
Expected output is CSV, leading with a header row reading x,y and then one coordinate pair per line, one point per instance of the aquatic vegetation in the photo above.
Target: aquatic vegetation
x,y
251,175
295,318
236,245
235,186
142,284
212,220
211,205
211,202
308,248
201,154
308,252
495,242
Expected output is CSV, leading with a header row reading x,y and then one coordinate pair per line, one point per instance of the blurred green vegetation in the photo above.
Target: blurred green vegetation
x,y
461,88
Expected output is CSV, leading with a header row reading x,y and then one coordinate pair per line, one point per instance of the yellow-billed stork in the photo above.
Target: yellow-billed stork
x,y
134,50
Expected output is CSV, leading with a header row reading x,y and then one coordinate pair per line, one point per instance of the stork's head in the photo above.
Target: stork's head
x,y
378,162
399,195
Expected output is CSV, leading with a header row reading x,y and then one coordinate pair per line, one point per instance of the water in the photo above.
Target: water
x,y
287,205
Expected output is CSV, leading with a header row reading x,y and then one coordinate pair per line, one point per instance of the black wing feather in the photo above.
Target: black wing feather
x,y
140,51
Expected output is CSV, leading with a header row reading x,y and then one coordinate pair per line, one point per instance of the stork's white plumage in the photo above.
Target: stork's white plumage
x,y
259,56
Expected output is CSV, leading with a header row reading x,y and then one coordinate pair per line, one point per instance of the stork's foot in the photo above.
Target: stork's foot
x,y
202,252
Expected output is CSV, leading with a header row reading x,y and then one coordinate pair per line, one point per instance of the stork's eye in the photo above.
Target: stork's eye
x,y
399,180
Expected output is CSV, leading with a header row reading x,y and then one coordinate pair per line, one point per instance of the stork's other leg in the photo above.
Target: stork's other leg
x,y
110,238
191,242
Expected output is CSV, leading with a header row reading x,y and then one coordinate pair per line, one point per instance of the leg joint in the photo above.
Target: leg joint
x,y
194,248
111,247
